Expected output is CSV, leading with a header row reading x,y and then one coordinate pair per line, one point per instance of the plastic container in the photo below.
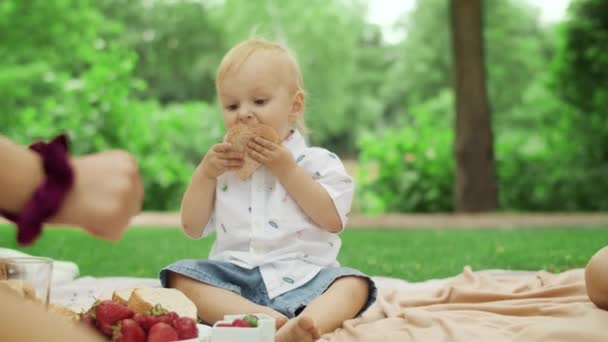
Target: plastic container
x,y
264,332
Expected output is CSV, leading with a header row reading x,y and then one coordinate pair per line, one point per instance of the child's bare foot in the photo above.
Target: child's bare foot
x,y
280,321
299,329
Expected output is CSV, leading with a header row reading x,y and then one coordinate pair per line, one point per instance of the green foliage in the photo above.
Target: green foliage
x,y
44,91
180,43
537,168
76,77
410,169
178,46
175,140
580,78
551,151
139,75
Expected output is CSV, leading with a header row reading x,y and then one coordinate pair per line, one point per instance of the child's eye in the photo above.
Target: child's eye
x,y
232,107
260,102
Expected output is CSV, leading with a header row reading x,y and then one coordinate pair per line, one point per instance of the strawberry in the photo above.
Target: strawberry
x,y
107,313
146,321
241,323
162,332
251,319
168,318
186,328
128,330
163,315
87,319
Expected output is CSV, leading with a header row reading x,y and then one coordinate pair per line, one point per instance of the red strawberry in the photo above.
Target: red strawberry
x,y
105,329
186,328
87,319
146,321
162,332
252,320
107,313
163,315
128,330
241,323
168,318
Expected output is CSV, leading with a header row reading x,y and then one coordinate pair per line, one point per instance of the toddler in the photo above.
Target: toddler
x,y
277,232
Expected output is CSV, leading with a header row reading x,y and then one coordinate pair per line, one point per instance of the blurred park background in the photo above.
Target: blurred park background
x,y
139,75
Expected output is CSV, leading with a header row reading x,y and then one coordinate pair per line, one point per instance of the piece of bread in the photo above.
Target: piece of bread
x,y
122,296
63,311
240,134
145,298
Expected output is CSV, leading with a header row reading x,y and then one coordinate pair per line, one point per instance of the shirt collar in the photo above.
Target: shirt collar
x,y
295,142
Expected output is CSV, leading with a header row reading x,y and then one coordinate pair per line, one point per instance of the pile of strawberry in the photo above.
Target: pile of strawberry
x,y
249,321
121,324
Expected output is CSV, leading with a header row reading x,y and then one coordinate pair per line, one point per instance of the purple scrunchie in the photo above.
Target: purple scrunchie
x,y
48,198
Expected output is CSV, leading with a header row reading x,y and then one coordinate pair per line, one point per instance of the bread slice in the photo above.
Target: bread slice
x,y
145,298
240,134
121,296
63,311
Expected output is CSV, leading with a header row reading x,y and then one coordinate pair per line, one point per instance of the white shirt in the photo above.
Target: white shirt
x,y
258,224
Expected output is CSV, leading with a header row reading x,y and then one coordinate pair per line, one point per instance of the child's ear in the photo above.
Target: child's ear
x,y
297,107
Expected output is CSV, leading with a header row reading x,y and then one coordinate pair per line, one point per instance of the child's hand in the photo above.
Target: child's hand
x,y
219,159
274,156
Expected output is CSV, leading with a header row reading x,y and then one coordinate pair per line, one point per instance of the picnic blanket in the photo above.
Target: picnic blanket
x,y
494,305
489,305
476,306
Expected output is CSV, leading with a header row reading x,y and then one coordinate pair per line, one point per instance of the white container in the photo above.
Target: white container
x,y
264,332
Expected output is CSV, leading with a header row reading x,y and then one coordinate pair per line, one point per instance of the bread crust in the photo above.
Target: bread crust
x,y
143,299
239,136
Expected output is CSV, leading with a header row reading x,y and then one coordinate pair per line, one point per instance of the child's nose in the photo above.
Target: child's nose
x,y
246,117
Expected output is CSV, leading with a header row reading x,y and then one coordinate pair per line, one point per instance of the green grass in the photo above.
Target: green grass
x,y
410,254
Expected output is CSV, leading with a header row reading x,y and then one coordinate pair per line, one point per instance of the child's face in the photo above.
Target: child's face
x,y
259,92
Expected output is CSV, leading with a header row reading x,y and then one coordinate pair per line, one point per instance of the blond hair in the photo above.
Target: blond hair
x,y
236,56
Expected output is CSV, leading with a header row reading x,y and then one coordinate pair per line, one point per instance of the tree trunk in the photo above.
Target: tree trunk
x,y
474,149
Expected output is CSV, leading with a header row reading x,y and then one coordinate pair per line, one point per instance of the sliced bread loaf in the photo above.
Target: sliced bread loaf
x,y
121,296
145,298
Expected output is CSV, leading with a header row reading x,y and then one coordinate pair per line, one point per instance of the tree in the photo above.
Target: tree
x,y
516,51
475,172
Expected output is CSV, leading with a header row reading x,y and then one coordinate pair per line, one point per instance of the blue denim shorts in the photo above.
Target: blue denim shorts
x,y
248,283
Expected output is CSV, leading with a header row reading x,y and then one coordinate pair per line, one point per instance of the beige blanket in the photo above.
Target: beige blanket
x,y
483,307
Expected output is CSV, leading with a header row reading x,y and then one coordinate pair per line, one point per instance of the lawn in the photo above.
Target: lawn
x,y
409,254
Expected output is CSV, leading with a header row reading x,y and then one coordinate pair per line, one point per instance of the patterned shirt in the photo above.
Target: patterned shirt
x,y
258,224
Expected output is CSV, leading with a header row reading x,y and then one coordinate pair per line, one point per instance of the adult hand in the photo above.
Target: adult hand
x,y
107,192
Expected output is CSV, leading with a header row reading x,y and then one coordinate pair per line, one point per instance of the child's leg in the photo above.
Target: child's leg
x,y
343,300
213,303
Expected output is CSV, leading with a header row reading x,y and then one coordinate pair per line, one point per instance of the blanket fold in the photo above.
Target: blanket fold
x,y
474,306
